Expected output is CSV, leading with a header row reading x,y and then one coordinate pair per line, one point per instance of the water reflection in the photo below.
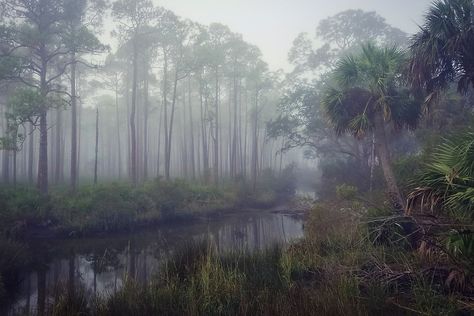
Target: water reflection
x,y
100,265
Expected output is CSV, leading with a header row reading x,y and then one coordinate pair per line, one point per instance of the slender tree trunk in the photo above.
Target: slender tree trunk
x,y
43,145
384,155
173,110
14,165
255,144
216,133
96,144
31,152
246,135
6,166
119,149
133,135
127,97
57,172
205,152
74,154
145,129
184,143
79,131
158,160
191,126
43,154
165,118
234,138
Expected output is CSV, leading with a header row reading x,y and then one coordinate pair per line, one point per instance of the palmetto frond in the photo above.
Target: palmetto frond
x,y
443,50
347,73
367,83
348,111
448,180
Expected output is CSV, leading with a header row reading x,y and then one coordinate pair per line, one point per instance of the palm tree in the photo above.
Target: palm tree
x,y
368,93
443,50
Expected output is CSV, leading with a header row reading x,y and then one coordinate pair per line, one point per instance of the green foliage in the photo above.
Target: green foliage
x,y
346,192
120,206
179,197
366,84
442,51
23,106
103,208
461,245
19,207
405,168
431,302
447,181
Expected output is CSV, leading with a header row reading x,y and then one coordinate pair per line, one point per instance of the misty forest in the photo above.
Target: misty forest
x,y
155,164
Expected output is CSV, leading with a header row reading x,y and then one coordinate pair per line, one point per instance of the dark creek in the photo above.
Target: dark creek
x,y
100,266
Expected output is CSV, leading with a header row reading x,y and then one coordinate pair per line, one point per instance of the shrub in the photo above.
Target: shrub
x,y
103,207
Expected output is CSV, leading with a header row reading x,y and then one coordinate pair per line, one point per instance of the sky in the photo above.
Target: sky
x,y
272,25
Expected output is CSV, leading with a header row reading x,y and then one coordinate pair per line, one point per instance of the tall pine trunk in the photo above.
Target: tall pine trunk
x,y
31,154
119,149
216,133
133,136
191,126
254,160
42,182
96,161
170,132
165,107
58,164
145,128
74,163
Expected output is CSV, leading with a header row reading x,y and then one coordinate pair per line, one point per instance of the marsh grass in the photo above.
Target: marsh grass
x,y
115,207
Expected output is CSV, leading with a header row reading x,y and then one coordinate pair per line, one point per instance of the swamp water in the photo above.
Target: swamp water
x,y
100,265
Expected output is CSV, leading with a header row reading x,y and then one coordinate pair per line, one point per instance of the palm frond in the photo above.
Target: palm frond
x,y
448,180
443,50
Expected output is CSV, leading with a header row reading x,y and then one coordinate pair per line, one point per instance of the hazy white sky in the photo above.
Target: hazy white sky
x,y
273,24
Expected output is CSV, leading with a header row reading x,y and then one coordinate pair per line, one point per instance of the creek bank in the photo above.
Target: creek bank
x,y
50,228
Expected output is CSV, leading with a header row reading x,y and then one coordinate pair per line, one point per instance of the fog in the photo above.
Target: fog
x,y
236,157
186,106
273,25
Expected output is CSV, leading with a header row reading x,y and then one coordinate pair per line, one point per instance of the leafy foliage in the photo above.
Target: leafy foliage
x,y
366,84
443,50
447,181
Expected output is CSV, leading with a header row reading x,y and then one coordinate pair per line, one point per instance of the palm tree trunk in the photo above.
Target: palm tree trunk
x,y
384,156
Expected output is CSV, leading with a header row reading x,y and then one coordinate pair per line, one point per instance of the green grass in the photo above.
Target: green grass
x,y
114,207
